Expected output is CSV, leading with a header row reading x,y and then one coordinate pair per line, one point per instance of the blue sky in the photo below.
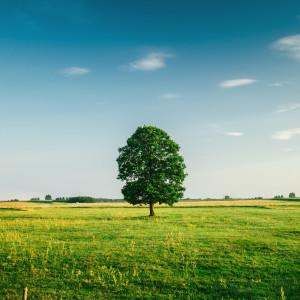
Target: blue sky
x,y
78,77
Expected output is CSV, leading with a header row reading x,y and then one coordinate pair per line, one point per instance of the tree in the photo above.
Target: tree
x,y
48,197
226,197
292,195
152,169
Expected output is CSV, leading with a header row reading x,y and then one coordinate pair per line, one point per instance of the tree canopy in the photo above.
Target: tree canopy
x,y
152,168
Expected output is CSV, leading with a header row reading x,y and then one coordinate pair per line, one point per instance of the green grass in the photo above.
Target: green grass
x,y
119,253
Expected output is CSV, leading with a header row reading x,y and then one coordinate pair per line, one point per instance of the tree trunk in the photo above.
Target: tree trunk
x,y
152,214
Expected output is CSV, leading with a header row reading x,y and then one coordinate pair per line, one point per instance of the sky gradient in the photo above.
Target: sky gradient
x,y
77,78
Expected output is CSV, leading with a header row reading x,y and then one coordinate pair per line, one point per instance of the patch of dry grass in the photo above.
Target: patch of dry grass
x,y
22,205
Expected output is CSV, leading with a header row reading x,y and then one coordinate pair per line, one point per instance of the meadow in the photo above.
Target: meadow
x,y
242,249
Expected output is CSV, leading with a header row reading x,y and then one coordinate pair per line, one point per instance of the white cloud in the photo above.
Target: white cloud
x,y
290,45
169,96
236,82
289,107
75,71
234,133
285,134
153,61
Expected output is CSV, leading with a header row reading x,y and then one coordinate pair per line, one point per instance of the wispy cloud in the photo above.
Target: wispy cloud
x,y
220,130
215,126
285,134
288,150
236,82
233,133
288,107
276,84
153,61
75,71
289,45
169,96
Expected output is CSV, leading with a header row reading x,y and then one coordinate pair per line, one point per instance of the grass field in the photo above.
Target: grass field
x,y
247,249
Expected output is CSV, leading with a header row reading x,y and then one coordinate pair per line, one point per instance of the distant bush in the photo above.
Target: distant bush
x,y
82,199
107,200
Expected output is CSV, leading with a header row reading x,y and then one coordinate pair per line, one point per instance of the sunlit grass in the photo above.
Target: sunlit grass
x,y
210,252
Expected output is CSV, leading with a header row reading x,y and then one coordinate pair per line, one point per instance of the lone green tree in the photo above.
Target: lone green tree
x,y
292,195
152,168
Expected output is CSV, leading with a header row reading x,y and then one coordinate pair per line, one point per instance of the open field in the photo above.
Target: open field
x,y
27,205
247,249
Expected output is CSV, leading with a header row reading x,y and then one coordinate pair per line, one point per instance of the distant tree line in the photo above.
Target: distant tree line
x,y
86,199
291,195
82,199
61,199
79,199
